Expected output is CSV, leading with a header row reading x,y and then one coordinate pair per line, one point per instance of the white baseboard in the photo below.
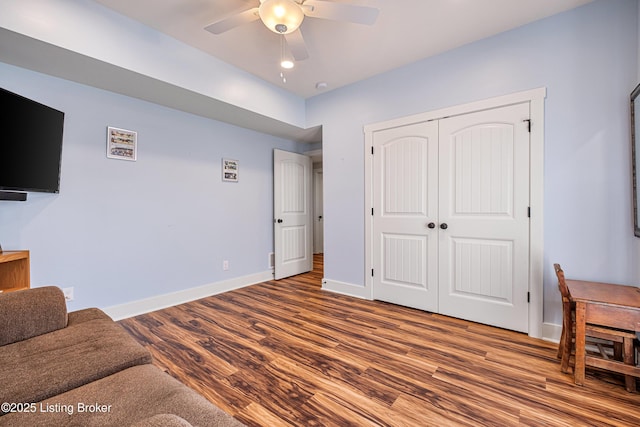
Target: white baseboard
x,y
550,331
344,288
158,302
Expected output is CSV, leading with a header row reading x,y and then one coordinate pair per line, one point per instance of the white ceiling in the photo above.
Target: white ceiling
x,y
340,53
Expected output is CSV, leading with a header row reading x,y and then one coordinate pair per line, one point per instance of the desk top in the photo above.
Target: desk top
x,y
605,293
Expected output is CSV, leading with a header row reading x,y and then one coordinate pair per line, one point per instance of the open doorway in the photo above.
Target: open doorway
x,y
318,199
318,223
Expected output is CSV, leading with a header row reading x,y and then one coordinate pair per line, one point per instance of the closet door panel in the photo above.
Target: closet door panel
x,y
483,199
405,203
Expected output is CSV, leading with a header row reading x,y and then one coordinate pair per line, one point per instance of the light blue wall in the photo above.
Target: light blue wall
x,y
121,231
95,31
587,60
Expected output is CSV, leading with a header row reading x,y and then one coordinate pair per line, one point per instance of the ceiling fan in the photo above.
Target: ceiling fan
x,y
284,17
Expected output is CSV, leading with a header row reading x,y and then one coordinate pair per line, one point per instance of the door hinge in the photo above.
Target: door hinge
x,y
528,124
372,272
528,297
372,149
371,211
529,211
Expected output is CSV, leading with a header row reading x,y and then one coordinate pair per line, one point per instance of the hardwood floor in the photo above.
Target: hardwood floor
x,y
285,353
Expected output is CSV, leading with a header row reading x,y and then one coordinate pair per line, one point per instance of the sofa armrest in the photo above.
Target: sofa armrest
x,y
31,312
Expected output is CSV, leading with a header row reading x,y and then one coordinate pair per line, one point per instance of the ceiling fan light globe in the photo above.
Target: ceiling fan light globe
x,y
286,15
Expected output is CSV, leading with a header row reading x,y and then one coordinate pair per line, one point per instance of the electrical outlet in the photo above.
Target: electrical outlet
x,y
68,293
225,265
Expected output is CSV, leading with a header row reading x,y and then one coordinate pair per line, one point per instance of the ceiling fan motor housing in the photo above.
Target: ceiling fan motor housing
x,y
281,16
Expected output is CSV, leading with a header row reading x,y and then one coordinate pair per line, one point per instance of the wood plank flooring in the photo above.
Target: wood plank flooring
x,y
286,353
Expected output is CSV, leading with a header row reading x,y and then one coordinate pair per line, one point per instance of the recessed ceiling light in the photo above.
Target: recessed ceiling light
x,y
286,64
321,85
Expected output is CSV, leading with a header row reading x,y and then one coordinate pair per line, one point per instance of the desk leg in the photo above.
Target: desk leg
x,y
578,369
629,359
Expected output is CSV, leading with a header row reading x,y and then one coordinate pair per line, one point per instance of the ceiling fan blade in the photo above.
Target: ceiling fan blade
x,y
296,44
226,24
340,12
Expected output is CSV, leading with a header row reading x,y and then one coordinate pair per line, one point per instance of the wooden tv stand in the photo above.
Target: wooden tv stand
x,y
14,271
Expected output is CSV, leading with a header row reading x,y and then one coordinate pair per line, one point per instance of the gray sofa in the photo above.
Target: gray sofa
x,y
83,369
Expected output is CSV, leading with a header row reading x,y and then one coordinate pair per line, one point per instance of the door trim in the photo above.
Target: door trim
x,y
535,97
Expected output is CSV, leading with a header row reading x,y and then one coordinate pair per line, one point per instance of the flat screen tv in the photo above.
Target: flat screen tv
x,y
30,145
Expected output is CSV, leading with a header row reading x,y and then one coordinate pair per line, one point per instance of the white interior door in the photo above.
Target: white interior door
x,y
292,206
405,204
484,200
467,177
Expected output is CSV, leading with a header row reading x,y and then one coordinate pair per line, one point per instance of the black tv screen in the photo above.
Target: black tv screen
x,y
30,144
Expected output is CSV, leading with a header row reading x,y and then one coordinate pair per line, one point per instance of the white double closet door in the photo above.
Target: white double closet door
x,y
450,220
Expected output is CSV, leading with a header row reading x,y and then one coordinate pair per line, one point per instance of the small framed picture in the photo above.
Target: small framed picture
x,y
122,144
230,170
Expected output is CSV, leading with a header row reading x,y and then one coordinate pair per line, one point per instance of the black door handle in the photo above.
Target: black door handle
x,y
444,226
279,221
431,225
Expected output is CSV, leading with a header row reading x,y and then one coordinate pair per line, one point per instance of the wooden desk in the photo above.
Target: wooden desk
x,y
605,304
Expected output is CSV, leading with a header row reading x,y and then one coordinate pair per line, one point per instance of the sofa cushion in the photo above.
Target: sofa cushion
x,y
31,312
163,420
41,367
123,399
86,315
